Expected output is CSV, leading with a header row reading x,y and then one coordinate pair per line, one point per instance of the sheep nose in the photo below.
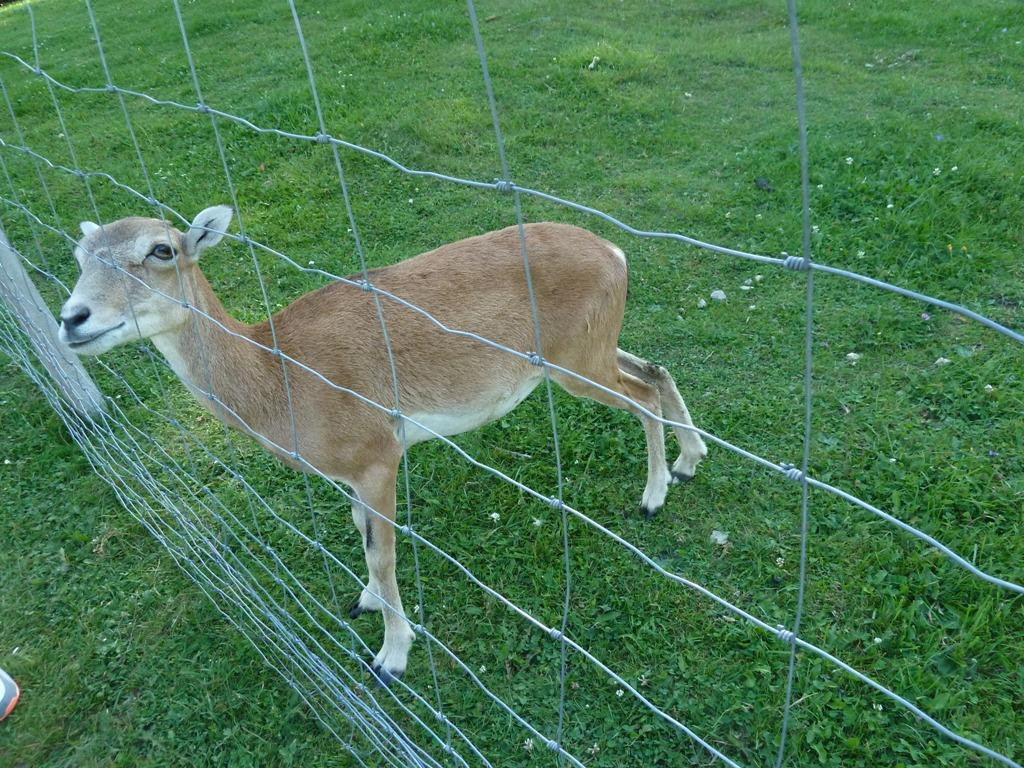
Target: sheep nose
x,y
73,317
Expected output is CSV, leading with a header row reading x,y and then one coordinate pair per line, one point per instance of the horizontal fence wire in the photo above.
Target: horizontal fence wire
x,y
250,582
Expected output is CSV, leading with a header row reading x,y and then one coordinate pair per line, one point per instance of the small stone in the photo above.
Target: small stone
x,y
746,287
758,278
853,357
718,295
988,388
593,63
942,361
701,303
721,538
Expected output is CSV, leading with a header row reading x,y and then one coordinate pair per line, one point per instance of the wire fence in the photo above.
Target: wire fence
x,y
253,561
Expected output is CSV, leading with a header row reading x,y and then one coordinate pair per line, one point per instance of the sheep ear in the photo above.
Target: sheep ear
x,y
207,229
88,227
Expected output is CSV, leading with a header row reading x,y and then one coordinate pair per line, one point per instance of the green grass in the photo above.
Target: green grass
x,y
124,662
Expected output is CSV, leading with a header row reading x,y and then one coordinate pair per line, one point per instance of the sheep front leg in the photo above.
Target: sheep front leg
x,y
376,490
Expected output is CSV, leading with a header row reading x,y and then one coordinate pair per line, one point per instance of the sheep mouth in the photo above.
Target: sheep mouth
x,y
90,339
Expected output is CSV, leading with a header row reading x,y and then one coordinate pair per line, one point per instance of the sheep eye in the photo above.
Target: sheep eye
x,y
163,252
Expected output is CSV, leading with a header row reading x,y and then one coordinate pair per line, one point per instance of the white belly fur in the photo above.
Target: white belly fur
x,y
467,417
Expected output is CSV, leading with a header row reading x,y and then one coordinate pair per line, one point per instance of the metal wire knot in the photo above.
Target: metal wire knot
x,y
503,186
796,263
793,473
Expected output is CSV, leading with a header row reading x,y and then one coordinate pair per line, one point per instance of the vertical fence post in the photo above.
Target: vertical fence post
x,y
22,297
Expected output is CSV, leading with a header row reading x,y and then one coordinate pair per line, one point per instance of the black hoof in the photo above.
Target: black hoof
x,y
383,678
647,512
354,612
681,477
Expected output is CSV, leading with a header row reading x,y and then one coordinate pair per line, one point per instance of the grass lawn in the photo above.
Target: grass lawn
x,y
685,123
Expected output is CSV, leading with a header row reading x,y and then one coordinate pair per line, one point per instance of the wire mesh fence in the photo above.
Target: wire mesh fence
x,y
270,561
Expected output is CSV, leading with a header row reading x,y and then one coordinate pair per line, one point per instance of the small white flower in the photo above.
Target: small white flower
x,y
892,460
410,201
311,262
758,278
537,522
860,254
594,749
757,215
483,669
815,229
619,692
752,306
853,357
878,640
849,161
779,561
7,461
955,168
890,206
821,186
988,388
701,303
746,287
688,95
877,707
942,361
495,516
728,214
528,745
936,171
416,608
